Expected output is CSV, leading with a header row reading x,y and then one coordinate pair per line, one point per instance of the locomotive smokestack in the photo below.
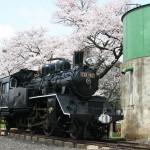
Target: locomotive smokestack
x,y
78,58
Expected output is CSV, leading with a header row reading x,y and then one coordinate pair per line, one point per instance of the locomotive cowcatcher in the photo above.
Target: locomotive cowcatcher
x,y
56,98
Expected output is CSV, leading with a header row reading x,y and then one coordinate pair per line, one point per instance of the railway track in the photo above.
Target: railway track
x,y
118,144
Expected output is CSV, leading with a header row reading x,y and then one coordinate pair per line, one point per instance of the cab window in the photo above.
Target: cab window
x,y
13,83
5,88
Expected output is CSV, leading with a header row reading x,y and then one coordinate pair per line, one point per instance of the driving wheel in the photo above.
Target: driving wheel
x,y
75,129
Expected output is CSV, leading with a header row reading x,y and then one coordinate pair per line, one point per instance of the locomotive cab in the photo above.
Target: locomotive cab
x,y
4,91
13,89
6,85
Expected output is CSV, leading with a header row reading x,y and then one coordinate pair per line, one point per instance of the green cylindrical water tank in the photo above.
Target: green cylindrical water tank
x,y
135,78
136,32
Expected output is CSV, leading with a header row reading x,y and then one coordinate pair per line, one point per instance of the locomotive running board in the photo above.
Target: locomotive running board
x,y
42,96
3,107
58,97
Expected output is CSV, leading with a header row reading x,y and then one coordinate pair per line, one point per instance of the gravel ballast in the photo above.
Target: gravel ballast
x,y
7,143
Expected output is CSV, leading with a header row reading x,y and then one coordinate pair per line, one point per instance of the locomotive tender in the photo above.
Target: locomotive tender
x,y
56,98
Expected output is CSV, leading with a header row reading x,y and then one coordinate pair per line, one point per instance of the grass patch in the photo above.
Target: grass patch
x,y
2,126
116,135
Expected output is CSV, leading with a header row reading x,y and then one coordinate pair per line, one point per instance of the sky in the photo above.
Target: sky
x,y
21,15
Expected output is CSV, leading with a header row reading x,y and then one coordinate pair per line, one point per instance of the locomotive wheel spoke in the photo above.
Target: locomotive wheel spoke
x,y
49,131
75,129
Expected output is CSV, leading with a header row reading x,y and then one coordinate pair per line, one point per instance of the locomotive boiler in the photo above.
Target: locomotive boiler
x,y
56,98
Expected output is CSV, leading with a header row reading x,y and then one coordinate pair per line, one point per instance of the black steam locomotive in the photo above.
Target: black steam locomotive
x,y
56,98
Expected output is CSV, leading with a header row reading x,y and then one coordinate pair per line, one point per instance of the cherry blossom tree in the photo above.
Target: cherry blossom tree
x,y
97,29
30,48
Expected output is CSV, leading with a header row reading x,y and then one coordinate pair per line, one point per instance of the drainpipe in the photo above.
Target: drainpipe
x,y
127,69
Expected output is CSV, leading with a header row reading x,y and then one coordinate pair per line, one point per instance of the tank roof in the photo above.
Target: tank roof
x,y
141,6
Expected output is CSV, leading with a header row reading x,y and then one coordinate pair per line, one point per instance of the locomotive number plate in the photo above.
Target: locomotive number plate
x,y
87,75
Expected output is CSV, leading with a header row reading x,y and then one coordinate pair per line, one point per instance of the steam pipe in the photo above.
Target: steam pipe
x,y
127,69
